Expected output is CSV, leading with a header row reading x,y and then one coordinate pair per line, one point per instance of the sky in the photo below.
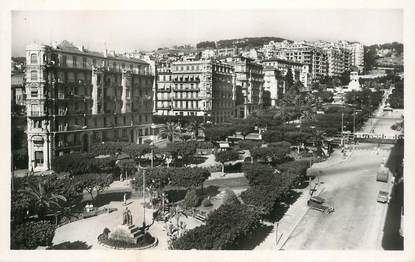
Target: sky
x,y
151,29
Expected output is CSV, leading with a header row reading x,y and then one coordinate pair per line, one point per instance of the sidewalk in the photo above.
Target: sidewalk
x,y
288,222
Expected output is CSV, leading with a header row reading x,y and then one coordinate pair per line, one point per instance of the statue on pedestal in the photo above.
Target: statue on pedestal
x,y
127,218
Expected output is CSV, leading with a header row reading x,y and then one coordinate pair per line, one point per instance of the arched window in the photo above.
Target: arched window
x,y
33,75
33,58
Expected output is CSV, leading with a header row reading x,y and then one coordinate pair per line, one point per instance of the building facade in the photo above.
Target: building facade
x,y
299,70
196,88
249,85
274,83
77,97
307,54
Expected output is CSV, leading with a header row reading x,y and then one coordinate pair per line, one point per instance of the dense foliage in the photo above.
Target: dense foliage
x,y
396,99
219,132
249,144
225,228
225,156
158,178
112,148
230,198
191,199
93,182
32,234
247,42
82,163
274,153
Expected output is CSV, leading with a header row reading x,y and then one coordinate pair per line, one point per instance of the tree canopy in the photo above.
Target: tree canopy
x,y
225,156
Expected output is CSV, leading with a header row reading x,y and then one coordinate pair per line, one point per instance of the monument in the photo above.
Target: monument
x,y
354,81
127,232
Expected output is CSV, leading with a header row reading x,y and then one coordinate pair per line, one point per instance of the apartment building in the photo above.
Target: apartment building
x,y
249,85
196,88
77,97
307,54
274,83
299,70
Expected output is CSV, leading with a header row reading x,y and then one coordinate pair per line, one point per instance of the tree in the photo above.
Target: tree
x,y
230,198
226,156
271,154
126,166
191,199
272,136
94,182
345,77
219,132
289,78
226,228
245,126
259,174
262,197
249,144
188,177
170,130
43,198
81,163
206,44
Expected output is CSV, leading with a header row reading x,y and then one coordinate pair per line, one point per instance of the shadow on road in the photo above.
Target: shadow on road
x,y
281,206
391,238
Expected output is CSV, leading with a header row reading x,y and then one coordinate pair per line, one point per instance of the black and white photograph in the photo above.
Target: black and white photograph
x,y
261,129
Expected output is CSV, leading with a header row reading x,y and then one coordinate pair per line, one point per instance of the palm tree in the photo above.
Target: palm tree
x,y
194,127
44,200
170,131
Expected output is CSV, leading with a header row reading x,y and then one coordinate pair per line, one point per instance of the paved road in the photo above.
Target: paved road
x,y
351,187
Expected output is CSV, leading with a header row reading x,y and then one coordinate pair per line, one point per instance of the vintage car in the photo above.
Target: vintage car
x,y
319,203
383,197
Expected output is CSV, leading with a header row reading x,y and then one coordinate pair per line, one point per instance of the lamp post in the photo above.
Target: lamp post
x,y
342,138
144,198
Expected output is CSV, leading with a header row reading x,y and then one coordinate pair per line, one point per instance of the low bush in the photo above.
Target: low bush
x,y
76,245
146,240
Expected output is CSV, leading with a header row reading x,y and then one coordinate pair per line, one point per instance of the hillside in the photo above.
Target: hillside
x,y
245,43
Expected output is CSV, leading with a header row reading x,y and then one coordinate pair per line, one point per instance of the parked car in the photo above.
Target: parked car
x,y
319,203
383,197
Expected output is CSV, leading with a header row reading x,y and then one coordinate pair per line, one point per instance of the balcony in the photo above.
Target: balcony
x,y
194,89
167,90
186,80
164,107
36,113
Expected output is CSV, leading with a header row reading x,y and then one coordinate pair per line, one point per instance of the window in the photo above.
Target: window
x,y
33,58
123,65
84,62
33,93
74,61
94,62
64,60
114,65
33,75
38,157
